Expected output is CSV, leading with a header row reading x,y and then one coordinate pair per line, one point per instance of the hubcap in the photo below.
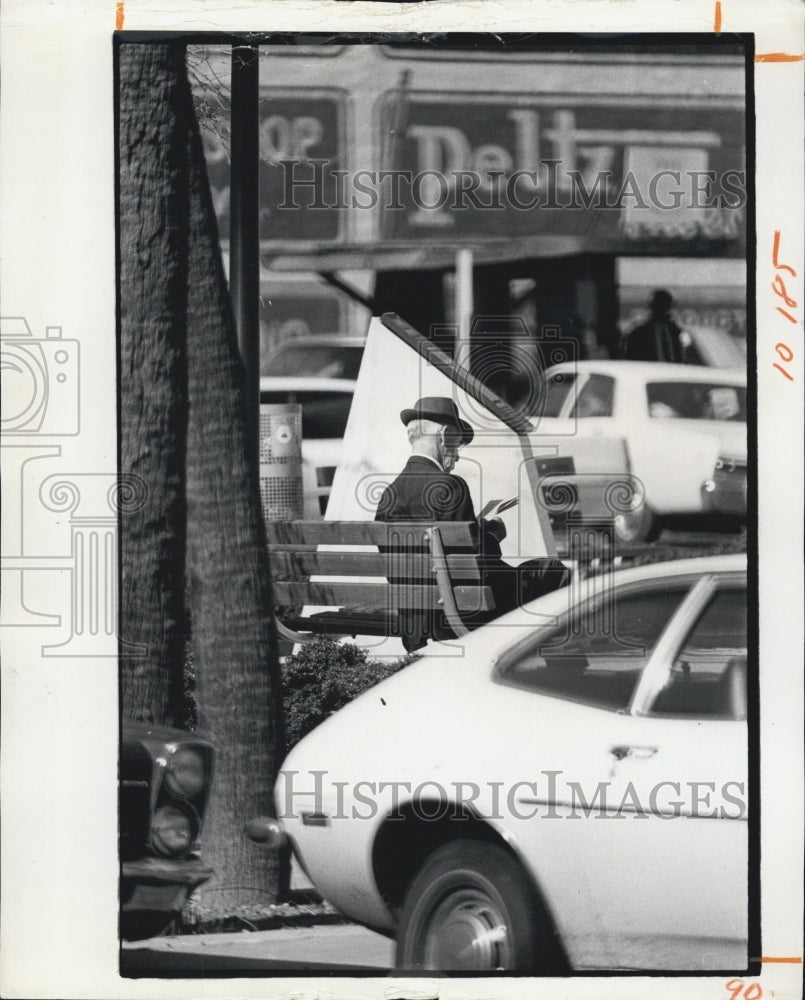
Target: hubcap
x,y
467,931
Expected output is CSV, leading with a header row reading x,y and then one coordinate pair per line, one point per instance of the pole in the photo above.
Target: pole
x,y
244,262
464,305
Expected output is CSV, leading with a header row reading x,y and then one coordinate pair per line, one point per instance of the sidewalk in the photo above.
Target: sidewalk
x,y
344,948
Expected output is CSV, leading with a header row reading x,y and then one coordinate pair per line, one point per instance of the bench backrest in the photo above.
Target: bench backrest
x,y
380,568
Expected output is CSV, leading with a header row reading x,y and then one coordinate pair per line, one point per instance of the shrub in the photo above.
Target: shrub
x,y
324,676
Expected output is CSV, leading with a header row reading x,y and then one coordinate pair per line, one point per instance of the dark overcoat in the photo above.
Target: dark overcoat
x,y
424,492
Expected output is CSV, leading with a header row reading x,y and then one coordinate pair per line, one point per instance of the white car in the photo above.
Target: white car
x,y
320,373
678,424
540,797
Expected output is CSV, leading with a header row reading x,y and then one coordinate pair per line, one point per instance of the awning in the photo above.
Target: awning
x,y
417,256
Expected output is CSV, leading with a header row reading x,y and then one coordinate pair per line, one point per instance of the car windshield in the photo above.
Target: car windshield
x,y
555,389
314,360
595,397
597,653
696,401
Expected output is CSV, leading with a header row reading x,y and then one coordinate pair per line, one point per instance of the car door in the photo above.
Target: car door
x,y
639,840
573,685
669,878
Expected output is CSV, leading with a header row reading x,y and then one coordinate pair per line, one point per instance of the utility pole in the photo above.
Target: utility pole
x,y
244,259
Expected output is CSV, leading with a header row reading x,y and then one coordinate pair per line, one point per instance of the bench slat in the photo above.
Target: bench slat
x,y
454,534
379,595
348,621
409,565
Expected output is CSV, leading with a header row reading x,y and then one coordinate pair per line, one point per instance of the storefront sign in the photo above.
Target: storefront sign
x,y
616,174
301,140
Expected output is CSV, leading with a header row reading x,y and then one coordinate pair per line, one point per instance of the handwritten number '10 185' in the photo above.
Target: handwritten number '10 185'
x,y
784,352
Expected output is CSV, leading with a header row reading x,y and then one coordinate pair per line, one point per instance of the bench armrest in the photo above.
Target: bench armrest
x,y
444,582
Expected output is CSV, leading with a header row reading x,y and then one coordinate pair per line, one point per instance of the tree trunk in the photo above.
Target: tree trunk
x,y
181,360
153,398
229,589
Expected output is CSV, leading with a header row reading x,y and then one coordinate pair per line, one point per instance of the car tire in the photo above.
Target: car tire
x,y
639,525
470,908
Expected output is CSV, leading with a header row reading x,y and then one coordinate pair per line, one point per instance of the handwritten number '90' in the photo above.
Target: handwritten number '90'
x,y
737,988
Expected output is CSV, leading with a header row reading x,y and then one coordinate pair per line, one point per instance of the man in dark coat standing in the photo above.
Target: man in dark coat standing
x,y
658,338
425,490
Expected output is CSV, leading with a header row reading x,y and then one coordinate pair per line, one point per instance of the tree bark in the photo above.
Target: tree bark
x,y
153,397
199,543
229,585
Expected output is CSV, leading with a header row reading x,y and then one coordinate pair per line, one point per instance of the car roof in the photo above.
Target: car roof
x,y
728,562
653,371
731,562
497,636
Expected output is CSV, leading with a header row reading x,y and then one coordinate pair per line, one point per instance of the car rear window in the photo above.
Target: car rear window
x,y
596,656
696,401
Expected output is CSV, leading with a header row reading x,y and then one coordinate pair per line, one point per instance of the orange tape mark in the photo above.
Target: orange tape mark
x,y
796,960
780,57
717,21
119,7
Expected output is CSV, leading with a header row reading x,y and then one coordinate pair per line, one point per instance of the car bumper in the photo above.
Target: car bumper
x,y
725,493
156,885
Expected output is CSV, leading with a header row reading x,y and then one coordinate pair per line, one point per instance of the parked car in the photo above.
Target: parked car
x,y
726,491
320,373
165,779
324,355
679,423
562,789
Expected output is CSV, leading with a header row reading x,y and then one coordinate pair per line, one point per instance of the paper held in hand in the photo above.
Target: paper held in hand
x,y
497,507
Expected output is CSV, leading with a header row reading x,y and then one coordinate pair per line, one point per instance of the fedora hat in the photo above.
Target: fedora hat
x,y
441,410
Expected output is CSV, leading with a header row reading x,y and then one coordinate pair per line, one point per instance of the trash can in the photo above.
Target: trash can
x,y
281,461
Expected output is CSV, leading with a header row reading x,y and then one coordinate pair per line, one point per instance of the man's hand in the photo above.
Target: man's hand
x,y
495,527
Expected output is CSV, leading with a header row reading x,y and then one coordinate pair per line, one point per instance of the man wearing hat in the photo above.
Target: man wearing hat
x,y
658,339
425,490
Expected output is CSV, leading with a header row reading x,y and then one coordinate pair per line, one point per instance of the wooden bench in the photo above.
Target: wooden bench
x,y
380,577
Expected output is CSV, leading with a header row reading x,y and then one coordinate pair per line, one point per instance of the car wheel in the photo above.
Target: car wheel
x,y
638,525
470,908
